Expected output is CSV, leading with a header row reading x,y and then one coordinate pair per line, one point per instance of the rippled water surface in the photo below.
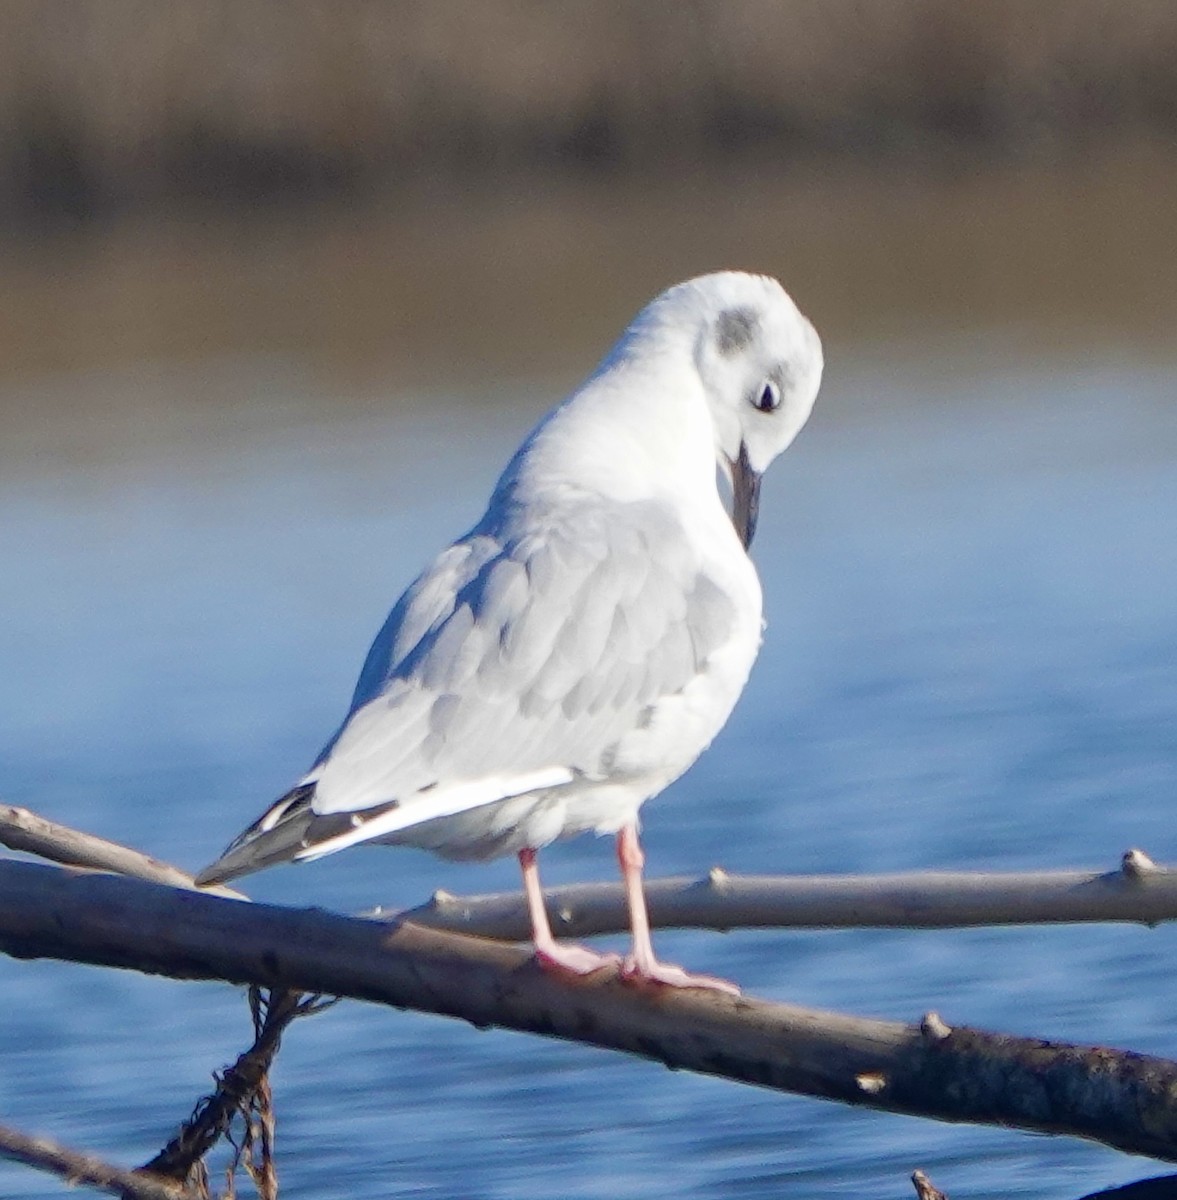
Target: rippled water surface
x,y
971,581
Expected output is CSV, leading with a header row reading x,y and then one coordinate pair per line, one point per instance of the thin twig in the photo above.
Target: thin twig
x,y
266,1008
238,1087
924,1188
1138,891
23,830
75,1167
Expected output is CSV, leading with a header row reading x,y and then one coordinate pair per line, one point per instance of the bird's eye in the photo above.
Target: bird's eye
x,y
769,398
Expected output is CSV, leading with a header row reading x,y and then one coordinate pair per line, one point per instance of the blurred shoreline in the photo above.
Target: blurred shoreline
x,y
116,106
374,198
525,282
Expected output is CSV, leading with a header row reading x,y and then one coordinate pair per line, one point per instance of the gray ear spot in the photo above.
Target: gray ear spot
x,y
734,330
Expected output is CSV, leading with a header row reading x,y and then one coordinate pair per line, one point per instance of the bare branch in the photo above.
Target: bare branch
x,y
924,1189
24,830
76,1167
1139,891
236,1089
927,1069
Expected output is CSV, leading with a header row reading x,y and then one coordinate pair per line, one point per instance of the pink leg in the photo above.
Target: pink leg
x,y
549,953
641,964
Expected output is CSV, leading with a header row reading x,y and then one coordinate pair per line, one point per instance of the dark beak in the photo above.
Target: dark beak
x,y
745,497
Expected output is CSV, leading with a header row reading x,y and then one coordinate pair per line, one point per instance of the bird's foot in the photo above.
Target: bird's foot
x,y
573,960
668,975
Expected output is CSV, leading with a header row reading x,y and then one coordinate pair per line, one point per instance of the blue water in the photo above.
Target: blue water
x,y
971,581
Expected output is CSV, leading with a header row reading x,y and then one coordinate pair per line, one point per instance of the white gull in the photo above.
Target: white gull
x,y
581,646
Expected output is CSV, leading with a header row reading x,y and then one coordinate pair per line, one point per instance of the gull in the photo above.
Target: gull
x,y
579,648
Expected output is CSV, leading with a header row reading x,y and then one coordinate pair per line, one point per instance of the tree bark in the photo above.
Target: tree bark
x,y
1139,891
926,1069
21,829
76,1167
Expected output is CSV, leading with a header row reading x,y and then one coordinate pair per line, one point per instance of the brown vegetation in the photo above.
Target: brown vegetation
x,y
127,102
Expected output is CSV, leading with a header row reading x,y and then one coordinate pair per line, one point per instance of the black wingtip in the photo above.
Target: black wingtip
x,y
275,837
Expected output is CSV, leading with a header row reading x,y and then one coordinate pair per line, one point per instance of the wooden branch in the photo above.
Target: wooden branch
x,y
1139,892
24,830
924,1189
929,1069
76,1167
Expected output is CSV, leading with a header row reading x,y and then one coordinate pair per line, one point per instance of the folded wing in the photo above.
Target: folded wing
x,y
514,664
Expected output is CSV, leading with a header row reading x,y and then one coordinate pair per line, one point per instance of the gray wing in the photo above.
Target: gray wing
x,y
532,652
514,662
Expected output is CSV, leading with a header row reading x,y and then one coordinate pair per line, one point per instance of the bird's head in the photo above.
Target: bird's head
x,y
721,365
760,364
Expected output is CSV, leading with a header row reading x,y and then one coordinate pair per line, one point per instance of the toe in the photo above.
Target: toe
x,y
668,975
574,960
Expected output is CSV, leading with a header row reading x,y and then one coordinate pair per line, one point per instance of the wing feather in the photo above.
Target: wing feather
x,y
517,662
